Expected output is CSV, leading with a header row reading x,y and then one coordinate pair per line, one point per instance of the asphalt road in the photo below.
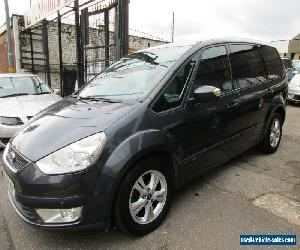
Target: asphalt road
x,y
252,194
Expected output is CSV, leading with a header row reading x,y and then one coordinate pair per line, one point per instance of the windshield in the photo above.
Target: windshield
x,y
134,76
296,65
25,85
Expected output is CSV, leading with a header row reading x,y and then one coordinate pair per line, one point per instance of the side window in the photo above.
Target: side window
x,y
214,69
272,61
173,95
41,86
247,65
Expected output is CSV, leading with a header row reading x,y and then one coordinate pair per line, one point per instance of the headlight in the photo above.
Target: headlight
x,y
74,157
9,120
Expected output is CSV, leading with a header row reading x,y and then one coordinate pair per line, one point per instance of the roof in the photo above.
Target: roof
x,y
170,45
203,43
233,40
297,37
16,74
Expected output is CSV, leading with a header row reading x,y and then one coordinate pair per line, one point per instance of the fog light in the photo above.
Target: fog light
x,y
59,215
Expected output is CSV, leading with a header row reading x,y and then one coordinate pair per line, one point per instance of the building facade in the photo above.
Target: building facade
x,y
294,48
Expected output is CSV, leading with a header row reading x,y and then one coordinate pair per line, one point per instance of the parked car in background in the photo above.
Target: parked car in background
x,y
150,123
22,96
294,89
296,65
288,67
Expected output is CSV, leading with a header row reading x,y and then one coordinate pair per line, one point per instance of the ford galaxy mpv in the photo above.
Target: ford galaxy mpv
x,y
115,152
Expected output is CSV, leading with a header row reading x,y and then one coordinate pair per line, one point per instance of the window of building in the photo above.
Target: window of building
x,y
214,69
247,65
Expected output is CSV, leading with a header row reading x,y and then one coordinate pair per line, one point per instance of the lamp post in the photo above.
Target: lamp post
x,y
11,63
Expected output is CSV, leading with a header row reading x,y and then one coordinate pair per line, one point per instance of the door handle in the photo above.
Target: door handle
x,y
232,105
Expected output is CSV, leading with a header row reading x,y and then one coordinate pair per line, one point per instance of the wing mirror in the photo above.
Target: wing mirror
x,y
206,94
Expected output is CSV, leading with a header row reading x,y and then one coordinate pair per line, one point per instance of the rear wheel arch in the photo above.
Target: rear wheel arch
x,y
275,108
272,133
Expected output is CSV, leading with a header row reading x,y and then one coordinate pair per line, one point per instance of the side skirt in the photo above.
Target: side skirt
x,y
203,161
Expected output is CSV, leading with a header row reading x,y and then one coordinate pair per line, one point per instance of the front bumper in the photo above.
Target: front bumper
x,y
293,95
294,98
30,216
33,189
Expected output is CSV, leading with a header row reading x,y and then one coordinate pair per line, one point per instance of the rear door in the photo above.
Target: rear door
x,y
249,75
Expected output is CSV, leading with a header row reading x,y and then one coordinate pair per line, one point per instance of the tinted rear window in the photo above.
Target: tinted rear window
x,y
272,61
247,64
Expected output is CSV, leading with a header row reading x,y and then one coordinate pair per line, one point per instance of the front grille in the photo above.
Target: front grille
x,y
297,97
19,121
15,160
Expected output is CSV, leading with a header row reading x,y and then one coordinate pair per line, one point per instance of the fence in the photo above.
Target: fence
x,y
77,43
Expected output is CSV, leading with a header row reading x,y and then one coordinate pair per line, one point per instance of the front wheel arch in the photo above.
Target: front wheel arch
x,y
280,111
158,154
162,159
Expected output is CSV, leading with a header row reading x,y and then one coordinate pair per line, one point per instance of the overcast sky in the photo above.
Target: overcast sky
x,y
198,19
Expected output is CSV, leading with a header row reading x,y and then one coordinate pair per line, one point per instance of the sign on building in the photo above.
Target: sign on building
x,y
41,9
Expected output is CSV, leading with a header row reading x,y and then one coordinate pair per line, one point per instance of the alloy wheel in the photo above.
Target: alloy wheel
x,y
275,133
148,197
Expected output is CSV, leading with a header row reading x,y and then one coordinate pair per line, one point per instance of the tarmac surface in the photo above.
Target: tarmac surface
x,y
252,194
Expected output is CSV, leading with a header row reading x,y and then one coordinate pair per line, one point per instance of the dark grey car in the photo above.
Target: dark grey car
x,y
149,124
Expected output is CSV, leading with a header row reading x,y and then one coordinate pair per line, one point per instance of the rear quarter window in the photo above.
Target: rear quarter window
x,y
247,65
273,62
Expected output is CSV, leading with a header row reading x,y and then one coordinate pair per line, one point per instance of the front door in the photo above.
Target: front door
x,y
201,129
211,125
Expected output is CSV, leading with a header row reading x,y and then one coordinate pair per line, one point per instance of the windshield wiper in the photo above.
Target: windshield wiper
x,y
97,98
43,93
18,94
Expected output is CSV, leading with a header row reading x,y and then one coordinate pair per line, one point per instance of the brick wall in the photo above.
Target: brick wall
x,y
3,52
138,43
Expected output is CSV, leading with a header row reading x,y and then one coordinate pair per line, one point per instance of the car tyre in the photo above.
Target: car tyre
x,y
272,137
142,185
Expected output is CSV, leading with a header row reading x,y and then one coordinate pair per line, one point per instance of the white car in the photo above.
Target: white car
x,y
22,96
288,67
296,66
294,89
